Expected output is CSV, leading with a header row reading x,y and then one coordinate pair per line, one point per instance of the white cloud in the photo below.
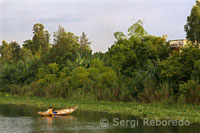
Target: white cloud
x,y
99,19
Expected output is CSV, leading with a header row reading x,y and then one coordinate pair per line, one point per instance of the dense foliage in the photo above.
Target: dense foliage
x,y
192,27
137,67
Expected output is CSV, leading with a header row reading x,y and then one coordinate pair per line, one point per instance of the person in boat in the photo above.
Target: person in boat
x,y
51,111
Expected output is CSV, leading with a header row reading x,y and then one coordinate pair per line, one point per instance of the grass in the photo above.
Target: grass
x,y
151,111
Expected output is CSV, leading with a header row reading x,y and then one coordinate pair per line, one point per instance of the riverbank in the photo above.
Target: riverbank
x,y
151,111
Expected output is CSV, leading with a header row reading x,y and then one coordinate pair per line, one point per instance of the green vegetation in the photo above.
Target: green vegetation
x,y
151,111
192,27
138,67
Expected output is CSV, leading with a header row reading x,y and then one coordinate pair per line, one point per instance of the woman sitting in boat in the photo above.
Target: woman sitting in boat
x,y
51,111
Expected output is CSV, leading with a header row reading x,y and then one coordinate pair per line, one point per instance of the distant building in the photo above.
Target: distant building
x,y
177,44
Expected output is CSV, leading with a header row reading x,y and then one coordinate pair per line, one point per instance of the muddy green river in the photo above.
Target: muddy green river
x,y
24,119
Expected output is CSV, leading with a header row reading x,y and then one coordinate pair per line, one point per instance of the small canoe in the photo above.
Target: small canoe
x,y
59,112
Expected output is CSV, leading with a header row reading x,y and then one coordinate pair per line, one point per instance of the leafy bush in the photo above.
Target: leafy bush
x,y
191,91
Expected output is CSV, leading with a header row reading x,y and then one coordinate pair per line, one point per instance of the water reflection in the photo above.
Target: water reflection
x,y
69,123
59,120
16,125
24,119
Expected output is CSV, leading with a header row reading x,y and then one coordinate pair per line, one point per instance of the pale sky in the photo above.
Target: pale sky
x,y
99,19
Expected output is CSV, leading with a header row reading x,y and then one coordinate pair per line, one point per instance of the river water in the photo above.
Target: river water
x,y
24,119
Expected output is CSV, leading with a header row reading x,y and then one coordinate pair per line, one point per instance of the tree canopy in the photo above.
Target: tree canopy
x,y
137,67
192,27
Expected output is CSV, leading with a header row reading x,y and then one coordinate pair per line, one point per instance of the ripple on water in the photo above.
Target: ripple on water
x,y
16,124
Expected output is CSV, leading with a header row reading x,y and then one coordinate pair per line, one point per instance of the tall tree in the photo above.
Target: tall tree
x,y
137,29
62,37
40,39
84,45
65,47
15,51
3,48
11,51
192,27
28,44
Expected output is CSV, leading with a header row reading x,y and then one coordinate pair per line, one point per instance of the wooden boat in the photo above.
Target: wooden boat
x,y
59,112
